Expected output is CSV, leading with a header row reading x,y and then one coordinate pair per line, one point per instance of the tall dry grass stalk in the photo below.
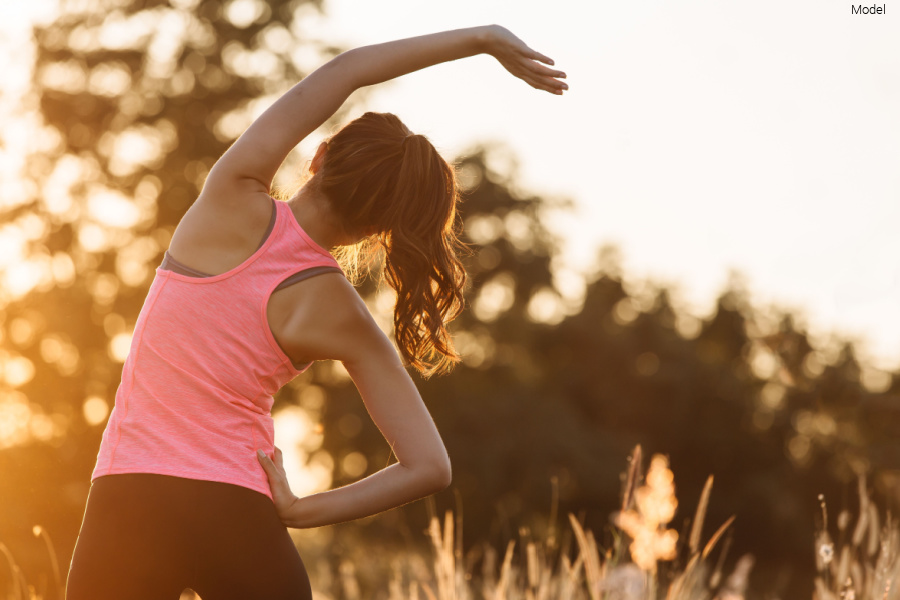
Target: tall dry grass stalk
x,y
40,532
19,588
627,570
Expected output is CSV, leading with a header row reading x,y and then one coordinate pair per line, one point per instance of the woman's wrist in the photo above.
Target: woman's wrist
x,y
484,36
293,516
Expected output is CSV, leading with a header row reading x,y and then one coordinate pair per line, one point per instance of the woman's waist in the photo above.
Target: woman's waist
x,y
170,383
178,406
141,435
192,429
163,481
195,454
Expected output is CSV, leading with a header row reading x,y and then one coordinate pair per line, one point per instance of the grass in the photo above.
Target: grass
x,y
20,589
864,563
645,561
547,570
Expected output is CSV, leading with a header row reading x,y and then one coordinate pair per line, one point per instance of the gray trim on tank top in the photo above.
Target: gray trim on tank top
x,y
170,264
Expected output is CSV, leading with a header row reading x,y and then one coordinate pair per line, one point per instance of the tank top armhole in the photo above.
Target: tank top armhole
x,y
306,274
291,280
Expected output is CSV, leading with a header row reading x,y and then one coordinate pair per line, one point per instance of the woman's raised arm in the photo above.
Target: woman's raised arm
x,y
251,162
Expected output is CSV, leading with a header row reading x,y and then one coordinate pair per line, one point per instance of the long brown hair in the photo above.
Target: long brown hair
x,y
385,182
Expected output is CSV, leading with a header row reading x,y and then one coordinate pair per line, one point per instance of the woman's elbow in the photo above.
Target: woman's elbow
x,y
446,474
439,475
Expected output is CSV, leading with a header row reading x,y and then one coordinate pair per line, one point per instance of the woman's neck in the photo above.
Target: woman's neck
x,y
313,212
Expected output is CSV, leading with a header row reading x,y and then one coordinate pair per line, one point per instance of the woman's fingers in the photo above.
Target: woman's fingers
x,y
524,62
532,64
545,71
548,85
536,75
535,79
538,56
282,495
263,460
270,468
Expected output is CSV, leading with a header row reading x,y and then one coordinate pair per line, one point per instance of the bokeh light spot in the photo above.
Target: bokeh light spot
x,y
771,396
646,364
243,13
354,464
95,410
18,371
876,381
484,229
546,307
119,346
625,311
495,297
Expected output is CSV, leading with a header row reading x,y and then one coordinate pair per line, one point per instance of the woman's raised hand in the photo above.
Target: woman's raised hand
x,y
282,495
520,60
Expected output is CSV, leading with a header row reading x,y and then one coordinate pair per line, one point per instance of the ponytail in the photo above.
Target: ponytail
x,y
381,177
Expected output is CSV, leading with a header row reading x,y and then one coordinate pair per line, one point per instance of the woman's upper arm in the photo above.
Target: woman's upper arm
x,y
345,331
252,161
396,406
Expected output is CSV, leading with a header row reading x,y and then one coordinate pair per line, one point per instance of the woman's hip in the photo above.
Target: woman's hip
x,y
163,531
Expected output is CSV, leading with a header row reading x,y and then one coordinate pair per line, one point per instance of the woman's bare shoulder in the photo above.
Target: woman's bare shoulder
x,y
330,320
214,237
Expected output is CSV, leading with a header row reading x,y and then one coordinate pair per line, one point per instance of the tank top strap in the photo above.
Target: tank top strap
x,y
312,254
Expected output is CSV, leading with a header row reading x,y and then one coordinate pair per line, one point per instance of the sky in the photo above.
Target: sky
x,y
698,136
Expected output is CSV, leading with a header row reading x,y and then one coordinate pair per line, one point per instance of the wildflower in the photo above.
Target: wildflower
x,y
826,551
656,505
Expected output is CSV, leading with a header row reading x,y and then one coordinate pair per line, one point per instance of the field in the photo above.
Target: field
x,y
646,560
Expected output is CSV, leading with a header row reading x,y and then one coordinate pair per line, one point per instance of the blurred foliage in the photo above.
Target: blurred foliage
x,y
562,375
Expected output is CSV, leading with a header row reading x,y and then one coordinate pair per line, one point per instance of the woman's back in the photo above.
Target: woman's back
x,y
197,386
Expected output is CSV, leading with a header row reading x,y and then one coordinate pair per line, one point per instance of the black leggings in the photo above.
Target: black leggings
x,y
149,537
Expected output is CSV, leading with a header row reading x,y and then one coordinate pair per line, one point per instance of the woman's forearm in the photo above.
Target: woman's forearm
x,y
376,63
390,487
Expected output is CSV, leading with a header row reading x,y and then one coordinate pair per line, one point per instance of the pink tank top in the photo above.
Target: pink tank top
x,y
196,393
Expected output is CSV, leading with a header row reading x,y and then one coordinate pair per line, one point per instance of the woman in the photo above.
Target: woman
x,y
189,490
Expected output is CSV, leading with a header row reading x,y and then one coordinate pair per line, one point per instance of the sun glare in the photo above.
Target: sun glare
x,y
304,463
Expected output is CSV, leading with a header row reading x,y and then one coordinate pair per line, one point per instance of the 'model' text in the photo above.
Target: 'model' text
x,y
859,9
